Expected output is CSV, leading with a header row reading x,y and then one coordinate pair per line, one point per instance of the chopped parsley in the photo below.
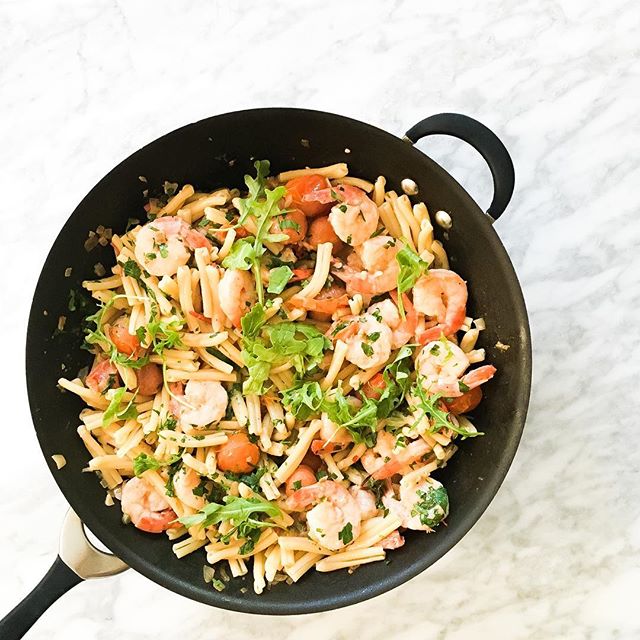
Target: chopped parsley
x,y
346,534
432,506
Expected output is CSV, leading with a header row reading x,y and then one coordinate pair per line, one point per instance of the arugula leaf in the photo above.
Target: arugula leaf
x,y
278,279
304,400
113,411
253,321
396,376
412,266
267,344
361,422
346,534
239,511
262,204
439,418
163,335
432,506
241,256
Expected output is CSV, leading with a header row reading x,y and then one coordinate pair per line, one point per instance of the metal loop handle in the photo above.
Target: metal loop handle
x,y
483,140
81,556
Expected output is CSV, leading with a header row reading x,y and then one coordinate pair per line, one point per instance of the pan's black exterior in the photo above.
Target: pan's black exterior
x,y
219,151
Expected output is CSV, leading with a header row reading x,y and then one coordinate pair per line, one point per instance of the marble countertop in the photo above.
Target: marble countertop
x,y
84,84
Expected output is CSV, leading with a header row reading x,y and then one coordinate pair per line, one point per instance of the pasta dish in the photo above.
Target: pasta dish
x,y
278,373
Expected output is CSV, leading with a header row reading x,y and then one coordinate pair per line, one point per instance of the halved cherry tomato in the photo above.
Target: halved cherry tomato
x,y
238,454
301,477
320,231
103,376
149,379
301,193
293,224
124,341
468,401
374,387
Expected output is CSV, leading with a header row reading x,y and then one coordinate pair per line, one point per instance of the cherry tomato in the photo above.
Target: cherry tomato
x,y
124,341
103,375
293,224
301,477
311,460
149,379
303,186
320,231
468,401
238,454
373,388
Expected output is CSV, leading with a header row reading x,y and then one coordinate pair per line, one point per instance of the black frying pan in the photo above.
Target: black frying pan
x,y
218,151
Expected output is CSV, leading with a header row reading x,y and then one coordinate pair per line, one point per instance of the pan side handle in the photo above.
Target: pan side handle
x,y
78,560
483,140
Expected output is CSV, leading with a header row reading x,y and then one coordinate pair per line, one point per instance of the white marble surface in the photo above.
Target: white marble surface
x,y
83,84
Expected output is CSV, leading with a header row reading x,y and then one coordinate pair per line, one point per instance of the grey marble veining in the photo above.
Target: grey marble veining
x,y
556,555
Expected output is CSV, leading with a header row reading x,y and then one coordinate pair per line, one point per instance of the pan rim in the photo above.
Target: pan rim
x,y
465,521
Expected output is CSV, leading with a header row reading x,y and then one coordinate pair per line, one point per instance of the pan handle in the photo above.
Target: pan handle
x,y
482,140
78,560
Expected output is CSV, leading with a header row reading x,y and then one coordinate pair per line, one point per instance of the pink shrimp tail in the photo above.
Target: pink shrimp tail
x,y
479,376
195,240
411,453
393,541
303,497
434,333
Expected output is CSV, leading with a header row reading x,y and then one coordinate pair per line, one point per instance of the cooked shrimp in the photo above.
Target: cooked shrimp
x,y
149,510
237,293
331,432
355,217
369,342
102,376
325,304
335,509
441,363
423,503
382,451
372,268
402,460
204,402
332,437
184,482
441,294
366,502
402,330
164,244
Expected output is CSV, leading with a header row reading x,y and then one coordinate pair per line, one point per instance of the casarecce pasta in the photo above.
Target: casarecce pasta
x,y
278,373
